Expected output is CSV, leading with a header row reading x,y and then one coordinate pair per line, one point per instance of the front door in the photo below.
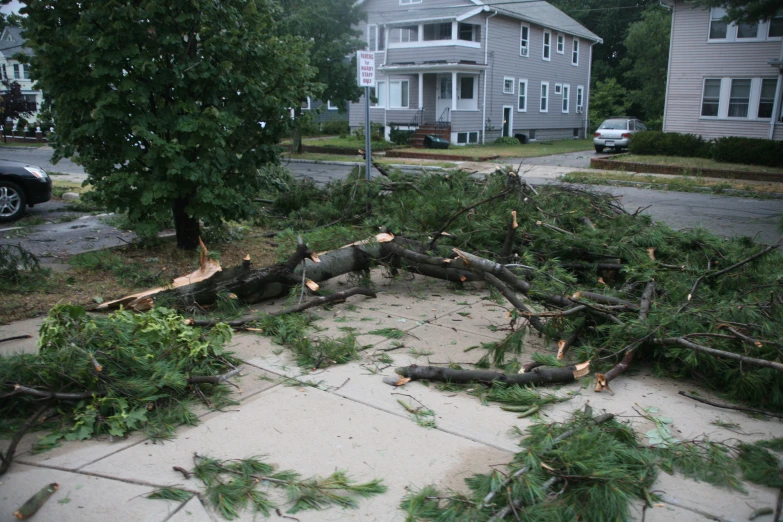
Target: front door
x,y
508,125
443,105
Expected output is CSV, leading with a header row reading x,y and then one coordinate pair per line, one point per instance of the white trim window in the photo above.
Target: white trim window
x,y
17,76
710,98
409,2
508,85
739,98
465,138
580,99
575,52
522,98
566,94
376,37
546,52
307,106
399,94
330,107
767,98
558,88
719,28
379,93
544,106
524,40
560,43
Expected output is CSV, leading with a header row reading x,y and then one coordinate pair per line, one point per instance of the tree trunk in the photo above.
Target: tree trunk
x,y
187,226
297,147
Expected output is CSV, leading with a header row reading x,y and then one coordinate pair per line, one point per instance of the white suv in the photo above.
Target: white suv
x,y
616,133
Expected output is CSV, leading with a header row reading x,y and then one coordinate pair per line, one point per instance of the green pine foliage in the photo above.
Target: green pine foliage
x,y
132,367
235,485
593,474
169,493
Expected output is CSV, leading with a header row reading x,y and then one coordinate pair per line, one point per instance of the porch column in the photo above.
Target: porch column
x,y
421,91
453,91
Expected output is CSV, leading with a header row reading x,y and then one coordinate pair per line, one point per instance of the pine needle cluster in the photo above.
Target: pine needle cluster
x,y
128,371
235,485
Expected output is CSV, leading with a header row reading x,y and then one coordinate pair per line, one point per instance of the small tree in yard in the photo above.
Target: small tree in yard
x,y
171,107
14,104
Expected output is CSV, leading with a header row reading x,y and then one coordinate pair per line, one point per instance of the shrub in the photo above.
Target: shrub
x,y
507,140
654,125
377,132
656,143
752,151
335,128
400,137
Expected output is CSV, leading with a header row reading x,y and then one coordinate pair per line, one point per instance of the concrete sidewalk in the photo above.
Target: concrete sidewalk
x,y
346,418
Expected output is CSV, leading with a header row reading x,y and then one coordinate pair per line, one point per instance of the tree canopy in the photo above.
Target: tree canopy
x,y
170,106
14,104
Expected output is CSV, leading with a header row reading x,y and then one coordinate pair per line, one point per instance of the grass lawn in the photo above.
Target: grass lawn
x,y
530,150
350,142
675,183
360,160
693,163
33,144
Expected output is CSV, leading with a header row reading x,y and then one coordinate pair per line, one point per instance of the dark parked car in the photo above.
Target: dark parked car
x,y
21,185
616,132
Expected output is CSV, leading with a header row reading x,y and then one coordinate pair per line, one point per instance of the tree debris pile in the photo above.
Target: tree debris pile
x,y
598,282
590,469
113,375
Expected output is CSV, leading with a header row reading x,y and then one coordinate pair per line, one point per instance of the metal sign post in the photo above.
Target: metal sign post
x,y
365,77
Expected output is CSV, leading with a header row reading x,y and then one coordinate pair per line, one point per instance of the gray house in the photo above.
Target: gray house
x,y
478,71
724,79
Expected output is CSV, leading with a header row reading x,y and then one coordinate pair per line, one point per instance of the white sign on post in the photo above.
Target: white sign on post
x,y
365,69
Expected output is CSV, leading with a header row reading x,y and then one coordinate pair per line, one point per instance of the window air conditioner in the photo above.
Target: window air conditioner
x,y
524,51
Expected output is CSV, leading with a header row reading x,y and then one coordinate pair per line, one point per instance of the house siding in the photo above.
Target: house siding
x,y
693,59
505,61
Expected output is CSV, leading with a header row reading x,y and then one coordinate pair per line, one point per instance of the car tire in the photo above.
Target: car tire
x,y
13,202
599,149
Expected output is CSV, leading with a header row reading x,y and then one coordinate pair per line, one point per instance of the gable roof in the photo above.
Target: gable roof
x,y
12,42
545,14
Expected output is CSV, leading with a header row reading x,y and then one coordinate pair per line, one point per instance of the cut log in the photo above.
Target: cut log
x,y
536,376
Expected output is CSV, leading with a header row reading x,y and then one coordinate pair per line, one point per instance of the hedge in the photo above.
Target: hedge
x,y
732,149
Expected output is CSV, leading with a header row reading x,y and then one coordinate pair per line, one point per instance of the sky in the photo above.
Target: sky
x,y
13,7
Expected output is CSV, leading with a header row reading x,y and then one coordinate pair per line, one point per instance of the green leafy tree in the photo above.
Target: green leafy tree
x,y
608,98
171,107
329,25
610,20
747,10
647,45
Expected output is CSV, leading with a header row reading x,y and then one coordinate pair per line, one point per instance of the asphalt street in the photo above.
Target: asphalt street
x,y
723,215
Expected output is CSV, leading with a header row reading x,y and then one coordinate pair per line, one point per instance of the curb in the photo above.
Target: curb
x,y
360,164
665,186
612,164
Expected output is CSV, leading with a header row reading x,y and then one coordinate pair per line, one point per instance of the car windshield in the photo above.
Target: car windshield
x,y
614,124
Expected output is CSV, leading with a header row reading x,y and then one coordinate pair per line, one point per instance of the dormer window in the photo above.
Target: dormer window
x,y
718,26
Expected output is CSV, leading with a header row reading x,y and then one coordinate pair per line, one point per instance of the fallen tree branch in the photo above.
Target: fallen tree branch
x,y
536,376
730,406
646,301
337,297
214,379
9,454
60,396
719,353
15,338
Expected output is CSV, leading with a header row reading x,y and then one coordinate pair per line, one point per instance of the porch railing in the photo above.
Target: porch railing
x,y
444,120
418,118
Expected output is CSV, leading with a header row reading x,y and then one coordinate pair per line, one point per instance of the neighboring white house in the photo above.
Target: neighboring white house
x,y
11,45
724,79
478,70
